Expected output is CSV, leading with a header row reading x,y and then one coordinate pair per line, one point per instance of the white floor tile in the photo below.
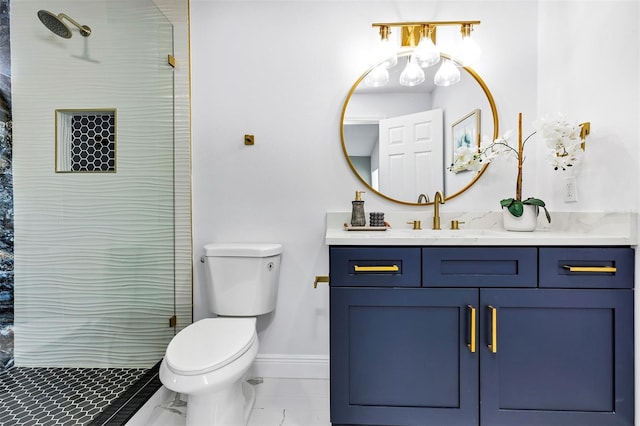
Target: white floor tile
x,y
288,417
291,402
279,402
162,409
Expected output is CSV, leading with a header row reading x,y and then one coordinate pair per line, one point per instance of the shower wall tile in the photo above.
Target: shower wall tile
x,y
96,261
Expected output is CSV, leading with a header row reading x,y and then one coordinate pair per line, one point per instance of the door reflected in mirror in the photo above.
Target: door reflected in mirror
x,y
400,140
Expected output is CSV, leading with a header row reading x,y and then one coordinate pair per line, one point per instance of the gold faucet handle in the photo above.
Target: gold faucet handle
x,y
416,225
455,224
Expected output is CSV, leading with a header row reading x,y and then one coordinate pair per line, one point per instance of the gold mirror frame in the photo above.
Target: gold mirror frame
x,y
494,113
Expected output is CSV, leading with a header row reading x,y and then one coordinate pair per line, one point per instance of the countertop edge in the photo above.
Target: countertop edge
x,y
484,229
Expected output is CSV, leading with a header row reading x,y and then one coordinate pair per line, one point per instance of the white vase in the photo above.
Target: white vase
x,y
525,223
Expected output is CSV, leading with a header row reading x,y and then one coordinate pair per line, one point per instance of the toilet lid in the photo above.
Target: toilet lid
x,y
242,249
210,344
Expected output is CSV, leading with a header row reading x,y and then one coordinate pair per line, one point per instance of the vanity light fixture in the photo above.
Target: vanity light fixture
x,y
421,36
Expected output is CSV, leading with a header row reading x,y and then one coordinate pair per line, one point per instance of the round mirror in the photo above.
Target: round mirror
x,y
400,141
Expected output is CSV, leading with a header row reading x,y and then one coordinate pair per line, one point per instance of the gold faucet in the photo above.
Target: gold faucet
x,y
423,197
437,200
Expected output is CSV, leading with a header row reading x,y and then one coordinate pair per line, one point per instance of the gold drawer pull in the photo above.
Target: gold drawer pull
x,y
391,268
493,346
472,329
590,268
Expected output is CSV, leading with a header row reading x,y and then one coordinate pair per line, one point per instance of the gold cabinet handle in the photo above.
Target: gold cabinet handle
x,y
493,346
391,268
320,279
472,329
590,268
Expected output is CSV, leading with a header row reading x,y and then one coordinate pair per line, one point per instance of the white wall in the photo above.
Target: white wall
x,y
281,70
588,67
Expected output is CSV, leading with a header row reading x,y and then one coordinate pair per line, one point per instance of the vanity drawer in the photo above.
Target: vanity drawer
x,y
374,267
480,267
578,267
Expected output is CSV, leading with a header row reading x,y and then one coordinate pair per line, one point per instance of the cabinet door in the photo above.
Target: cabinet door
x,y
399,356
562,357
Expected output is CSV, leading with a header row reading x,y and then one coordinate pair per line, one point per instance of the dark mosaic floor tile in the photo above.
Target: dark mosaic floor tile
x,y
60,396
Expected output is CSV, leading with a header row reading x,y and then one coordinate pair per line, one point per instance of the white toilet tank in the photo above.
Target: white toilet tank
x,y
242,278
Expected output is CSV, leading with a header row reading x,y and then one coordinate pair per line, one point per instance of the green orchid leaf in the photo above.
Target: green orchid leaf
x,y
538,202
534,202
546,212
506,202
516,208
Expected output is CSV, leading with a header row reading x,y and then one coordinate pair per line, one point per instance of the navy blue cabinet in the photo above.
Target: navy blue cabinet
x,y
400,356
558,357
516,349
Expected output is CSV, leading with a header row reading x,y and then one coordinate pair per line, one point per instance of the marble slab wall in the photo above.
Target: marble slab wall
x,y
6,195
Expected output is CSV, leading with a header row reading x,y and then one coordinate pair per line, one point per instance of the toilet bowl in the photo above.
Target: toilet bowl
x,y
208,360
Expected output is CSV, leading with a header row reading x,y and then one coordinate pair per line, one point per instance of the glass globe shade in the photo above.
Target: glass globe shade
x,y
386,54
468,52
412,75
377,77
426,54
447,75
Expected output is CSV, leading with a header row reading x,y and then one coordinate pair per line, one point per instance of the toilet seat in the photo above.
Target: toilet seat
x,y
210,344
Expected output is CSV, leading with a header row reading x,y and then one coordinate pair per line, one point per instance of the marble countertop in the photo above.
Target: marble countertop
x,y
570,229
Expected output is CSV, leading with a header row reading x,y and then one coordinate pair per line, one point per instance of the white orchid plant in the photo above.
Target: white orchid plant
x,y
564,139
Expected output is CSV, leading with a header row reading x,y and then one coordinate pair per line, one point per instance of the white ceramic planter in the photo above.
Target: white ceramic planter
x,y
525,223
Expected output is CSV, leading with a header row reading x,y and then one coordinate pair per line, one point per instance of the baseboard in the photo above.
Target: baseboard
x,y
290,366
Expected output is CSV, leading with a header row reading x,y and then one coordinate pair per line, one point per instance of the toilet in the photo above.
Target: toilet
x,y
207,361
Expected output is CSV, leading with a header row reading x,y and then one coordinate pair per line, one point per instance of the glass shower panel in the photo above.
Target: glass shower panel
x,y
94,255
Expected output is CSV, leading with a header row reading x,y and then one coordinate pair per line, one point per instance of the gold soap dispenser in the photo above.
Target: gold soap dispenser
x,y
357,211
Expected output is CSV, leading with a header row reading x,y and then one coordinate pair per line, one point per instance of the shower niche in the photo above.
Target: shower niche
x,y
86,140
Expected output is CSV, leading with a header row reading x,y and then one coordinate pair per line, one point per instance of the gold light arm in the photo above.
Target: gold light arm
x,y
391,268
493,346
384,32
419,23
465,29
411,32
429,30
411,35
590,268
472,329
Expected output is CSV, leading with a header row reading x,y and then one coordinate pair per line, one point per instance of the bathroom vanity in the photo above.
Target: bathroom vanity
x,y
483,327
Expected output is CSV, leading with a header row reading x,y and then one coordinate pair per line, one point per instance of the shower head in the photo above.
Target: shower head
x,y
58,27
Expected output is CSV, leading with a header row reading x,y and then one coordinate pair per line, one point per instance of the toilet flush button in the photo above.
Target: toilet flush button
x,y
270,266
